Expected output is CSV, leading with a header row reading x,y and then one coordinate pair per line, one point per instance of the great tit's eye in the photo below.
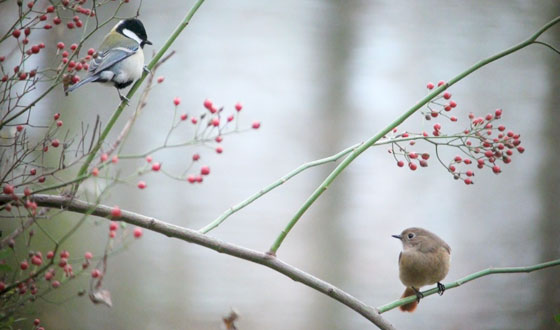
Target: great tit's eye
x,y
410,235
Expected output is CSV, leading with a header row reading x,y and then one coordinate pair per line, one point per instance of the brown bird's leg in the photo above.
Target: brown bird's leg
x,y
419,295
440,288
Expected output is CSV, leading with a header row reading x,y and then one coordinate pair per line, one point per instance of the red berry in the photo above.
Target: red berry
x,y
176,101
141,184
447,95
441,82
115,159
156,167
59,123
112,234
219,149
149,159
437,126
194,120
27,191
55,284
198,178
70,25
50,9
95,273
57,20
88,255
191,179
400,163
195,157
65,54
137,232
498,113
23,265
413,155
520,149
22,76
230,118
8,189
469,173
468,181
238,106
36,322
47,27
452,104
95,171
35,49
16,33
50,255
496,169
256,125
412,166
184,116
458,159
430,85
219,138
19,128
116,212
113,226
56,116
104,157
160,80
205,170
215,122
63,262
55,143
208,104
33,171
73,47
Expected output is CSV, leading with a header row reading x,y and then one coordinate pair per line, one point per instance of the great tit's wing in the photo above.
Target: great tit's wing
x,y
108,58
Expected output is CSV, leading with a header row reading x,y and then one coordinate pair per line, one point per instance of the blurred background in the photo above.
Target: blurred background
x,y
321,76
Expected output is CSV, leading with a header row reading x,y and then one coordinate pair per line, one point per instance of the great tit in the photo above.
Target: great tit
x,y
120,59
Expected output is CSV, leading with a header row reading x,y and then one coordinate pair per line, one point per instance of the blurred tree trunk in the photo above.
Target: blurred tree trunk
x,y
549,300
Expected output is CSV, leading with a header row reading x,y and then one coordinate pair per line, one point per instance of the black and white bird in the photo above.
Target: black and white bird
x,y
120,59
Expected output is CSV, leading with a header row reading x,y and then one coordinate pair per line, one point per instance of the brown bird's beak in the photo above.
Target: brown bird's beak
x,y
397,236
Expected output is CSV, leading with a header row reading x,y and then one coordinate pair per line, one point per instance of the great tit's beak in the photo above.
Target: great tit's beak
x,y
397,236
147,42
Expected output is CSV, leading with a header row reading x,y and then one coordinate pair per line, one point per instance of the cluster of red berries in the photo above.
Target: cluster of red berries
x,y
483,144
29,177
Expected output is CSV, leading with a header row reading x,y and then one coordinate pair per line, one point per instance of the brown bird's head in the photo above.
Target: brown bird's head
x,y
421,239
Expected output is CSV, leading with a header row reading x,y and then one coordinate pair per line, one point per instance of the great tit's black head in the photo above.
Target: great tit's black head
x,y
133,29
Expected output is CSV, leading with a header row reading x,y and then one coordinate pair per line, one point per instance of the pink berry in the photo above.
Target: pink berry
x,y
184,116
149,159
23,265
238,106
191,179
95,273
496,169
8,189
137,232
115,159
55,284
156,167
412,166
256,125
447,95
194,120
205,170
468,181
441,82
208,104
50,255
195,157
219,149
88,255
430,85
95,171
160,80
176,101
104,157
141,184
400,163
116,212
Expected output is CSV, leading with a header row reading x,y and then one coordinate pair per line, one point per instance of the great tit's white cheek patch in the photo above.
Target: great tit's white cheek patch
x,y
132,35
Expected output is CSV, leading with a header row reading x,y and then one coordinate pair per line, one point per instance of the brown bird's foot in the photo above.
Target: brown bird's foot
x,y
419,295
440,288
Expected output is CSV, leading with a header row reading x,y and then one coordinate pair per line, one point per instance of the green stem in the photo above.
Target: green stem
x,y
371,141
275,184
468,278
135,87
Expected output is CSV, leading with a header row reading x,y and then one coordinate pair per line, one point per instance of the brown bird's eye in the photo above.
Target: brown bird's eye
x,y
411,236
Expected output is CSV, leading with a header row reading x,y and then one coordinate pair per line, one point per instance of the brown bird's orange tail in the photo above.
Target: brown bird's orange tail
x,y
410,307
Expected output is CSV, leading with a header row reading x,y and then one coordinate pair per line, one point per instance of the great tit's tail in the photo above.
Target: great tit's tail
x,y
410,307
82,82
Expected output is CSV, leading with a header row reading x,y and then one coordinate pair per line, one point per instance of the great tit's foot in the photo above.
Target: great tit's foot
x,y
440,288
146,69
123,98
419,295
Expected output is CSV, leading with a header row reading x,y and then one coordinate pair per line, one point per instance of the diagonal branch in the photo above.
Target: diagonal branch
x,y
215,244
468,278
372,140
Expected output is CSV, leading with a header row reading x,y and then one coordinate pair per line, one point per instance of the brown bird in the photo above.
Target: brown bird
x,y
424,260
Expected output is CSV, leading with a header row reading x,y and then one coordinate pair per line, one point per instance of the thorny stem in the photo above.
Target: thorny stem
x,y
371,141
